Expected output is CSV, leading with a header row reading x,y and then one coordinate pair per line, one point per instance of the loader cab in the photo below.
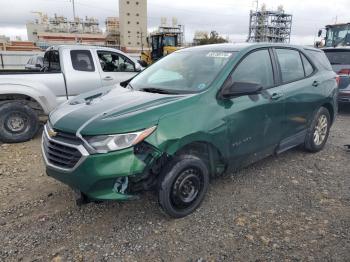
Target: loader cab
x,y
161,43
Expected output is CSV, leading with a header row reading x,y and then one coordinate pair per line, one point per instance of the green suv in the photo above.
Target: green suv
x,y
191,117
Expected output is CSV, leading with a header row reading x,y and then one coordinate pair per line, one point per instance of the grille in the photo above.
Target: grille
x,y
60,155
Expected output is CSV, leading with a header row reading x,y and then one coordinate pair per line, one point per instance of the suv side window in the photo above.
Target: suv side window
x,y
291,65
82,60
309,69
255,68
114,62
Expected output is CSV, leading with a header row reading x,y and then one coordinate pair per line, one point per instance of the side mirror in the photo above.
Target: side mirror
x,y
320,32
138,67
38,65
241,89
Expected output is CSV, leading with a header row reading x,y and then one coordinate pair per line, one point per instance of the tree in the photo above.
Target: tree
x,y
214,38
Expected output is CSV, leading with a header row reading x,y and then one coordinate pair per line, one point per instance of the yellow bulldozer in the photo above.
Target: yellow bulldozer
x,y
160,44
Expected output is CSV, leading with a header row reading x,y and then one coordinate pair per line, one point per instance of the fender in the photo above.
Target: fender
x,y
39,92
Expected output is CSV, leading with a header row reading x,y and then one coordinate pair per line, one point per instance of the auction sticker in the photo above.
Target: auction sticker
x,y
219,54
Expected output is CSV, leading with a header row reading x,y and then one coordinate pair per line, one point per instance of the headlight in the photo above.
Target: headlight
x,y
107,143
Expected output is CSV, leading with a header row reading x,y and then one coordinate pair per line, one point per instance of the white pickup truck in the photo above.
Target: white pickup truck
x,y
26,97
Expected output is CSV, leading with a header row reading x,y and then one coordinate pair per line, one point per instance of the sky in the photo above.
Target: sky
x,y
228,17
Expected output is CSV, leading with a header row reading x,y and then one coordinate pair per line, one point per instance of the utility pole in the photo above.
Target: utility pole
x,y
73,5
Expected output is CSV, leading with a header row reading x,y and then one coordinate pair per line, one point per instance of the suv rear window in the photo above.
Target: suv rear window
x,y
320,59
338,57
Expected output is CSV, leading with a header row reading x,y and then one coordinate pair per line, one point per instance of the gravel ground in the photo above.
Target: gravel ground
x,y
293,207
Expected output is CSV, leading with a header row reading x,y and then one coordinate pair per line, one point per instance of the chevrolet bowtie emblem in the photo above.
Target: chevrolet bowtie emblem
x,y
52,133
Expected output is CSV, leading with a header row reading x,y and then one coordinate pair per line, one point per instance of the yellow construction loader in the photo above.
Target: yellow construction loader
x,y
160,44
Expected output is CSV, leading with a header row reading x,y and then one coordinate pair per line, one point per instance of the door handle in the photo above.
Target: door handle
x,y
108,78
276,96
315,83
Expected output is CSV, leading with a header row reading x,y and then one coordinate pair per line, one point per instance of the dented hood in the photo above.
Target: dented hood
x,y
111,111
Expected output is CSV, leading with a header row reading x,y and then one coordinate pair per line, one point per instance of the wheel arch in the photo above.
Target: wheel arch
x,y
202,147
331,111
33,103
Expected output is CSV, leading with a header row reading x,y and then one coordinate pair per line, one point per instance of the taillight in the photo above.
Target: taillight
x,y
344,72
337,78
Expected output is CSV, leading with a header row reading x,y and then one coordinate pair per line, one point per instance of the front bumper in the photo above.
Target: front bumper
x,y
95,175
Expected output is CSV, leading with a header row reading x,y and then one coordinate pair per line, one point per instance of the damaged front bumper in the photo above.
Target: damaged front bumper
x,y
98,176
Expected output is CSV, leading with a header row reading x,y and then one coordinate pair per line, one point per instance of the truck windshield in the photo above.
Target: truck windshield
x,y
182,72
338,35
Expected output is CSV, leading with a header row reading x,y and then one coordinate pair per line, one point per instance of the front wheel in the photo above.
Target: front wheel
x,y
182,186
318,132
18,122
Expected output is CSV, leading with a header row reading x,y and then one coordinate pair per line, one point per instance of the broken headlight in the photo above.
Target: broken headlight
x,y
108,143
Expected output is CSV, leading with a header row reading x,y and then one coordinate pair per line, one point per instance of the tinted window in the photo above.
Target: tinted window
x,y
291,65
82,60
255,68
114,62
307,66
52,61
338,57
320,59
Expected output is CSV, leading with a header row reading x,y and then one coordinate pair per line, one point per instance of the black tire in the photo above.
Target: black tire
x,y
18,122
310,144
186,174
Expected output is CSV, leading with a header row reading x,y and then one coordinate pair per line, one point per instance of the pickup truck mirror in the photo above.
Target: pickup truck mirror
x,y
237,89
138,67
320,32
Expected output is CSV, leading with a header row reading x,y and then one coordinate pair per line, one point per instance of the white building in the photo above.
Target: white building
x,y
133,25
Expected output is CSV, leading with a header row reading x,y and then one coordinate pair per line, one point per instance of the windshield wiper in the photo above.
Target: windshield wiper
x,y
158,90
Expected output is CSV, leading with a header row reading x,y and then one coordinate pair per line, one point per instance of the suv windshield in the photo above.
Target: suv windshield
x,y
338,57
182,72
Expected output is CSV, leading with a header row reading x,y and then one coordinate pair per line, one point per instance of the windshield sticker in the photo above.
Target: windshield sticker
x,y
219,54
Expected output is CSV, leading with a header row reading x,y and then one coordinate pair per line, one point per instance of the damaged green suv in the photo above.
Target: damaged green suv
x,y
190,117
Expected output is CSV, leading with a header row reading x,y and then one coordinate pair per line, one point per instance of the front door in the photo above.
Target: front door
x,y
115,67
254,122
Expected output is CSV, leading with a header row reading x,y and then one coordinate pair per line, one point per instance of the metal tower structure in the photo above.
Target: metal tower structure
x,y
270,26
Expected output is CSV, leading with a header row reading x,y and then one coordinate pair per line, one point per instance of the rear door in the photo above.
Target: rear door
x,y
115,67
80,72
300,86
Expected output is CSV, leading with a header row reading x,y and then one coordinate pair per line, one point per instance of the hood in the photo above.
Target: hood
x,y
111,111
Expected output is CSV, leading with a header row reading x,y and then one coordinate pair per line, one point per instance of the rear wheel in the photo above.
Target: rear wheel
x,y
318,132
18,122
183,185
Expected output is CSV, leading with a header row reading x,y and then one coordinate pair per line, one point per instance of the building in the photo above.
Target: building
x,y
47,31
270,26
112,32
7,45
133,25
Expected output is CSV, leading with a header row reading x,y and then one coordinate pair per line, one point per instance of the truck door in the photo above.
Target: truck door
x,y
115,67
81,75
254,121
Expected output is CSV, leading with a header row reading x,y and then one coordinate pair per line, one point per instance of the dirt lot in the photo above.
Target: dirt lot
x,y
293,207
